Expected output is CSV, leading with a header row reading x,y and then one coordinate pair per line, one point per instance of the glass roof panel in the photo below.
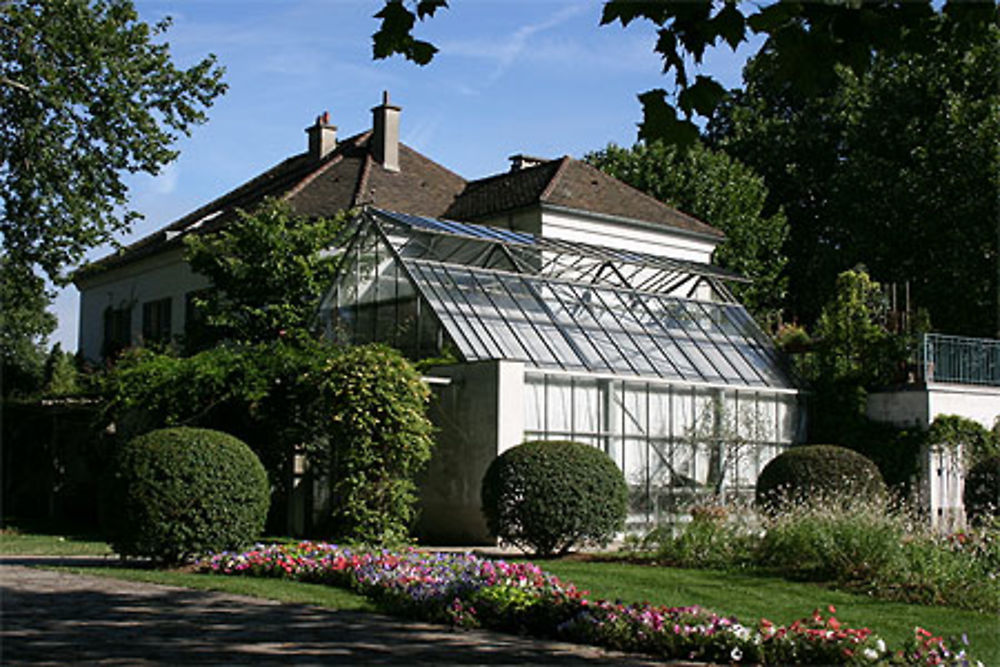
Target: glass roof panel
x,y
495,305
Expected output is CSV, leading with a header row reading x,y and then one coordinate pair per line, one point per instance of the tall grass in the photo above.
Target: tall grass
x,y
869,546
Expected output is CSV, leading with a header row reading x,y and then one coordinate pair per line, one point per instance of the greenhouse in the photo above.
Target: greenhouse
x,y
649,358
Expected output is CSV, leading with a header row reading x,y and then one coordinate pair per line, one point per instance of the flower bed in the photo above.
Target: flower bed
x,y
468,591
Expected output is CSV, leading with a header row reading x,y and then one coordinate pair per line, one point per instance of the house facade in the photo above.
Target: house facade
x,y
560,303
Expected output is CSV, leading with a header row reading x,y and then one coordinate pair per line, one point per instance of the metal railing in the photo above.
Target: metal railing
x,y
961,360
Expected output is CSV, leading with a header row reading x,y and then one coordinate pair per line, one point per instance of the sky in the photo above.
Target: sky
x,y
539,77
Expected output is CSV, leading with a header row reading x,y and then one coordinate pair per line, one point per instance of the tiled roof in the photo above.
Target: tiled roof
x,y
571,184
349,176
345,178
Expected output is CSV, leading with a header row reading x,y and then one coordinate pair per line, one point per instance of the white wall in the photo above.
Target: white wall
x,y
919,407
478,416
636,237
602,230
157,277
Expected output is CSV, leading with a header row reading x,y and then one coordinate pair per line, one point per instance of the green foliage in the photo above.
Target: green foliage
x,y
380,438
269,270
264,394
708,541
87,92
25,324
893,168
723,192
550,496
801,474
826,539
181,492
808,41
60,373
960,433
982,491
851,352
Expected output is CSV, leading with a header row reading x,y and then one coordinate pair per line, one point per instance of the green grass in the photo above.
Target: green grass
x,y
751,597
270,589
13,542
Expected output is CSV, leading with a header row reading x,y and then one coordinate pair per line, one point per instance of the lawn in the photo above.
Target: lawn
x,y
22,541
747,596
751,597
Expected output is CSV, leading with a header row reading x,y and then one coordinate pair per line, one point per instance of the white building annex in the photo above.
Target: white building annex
x,y
562,304
646,357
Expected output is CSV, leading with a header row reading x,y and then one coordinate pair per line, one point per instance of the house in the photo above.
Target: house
x,y
562,303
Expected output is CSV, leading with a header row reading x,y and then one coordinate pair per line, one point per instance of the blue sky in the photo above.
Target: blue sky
x,y
540,77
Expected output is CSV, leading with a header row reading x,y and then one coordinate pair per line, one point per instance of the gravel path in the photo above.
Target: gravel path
x,y
51,617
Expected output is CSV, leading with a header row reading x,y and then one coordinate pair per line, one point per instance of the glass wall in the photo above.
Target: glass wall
x,y
677,444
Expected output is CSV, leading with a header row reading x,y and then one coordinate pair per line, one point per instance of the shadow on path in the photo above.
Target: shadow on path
x,y
57,617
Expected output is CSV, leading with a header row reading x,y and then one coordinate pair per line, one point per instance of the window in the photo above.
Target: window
x,y
117,330
156,321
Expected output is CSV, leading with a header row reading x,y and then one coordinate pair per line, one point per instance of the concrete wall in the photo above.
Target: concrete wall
x,y
921,405
479,415
149,279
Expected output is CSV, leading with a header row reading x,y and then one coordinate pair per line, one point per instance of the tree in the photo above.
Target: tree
x,y
25,325
269,269
722,191
896,169
86,93
808,40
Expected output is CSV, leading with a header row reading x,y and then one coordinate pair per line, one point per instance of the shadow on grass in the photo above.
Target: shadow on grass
x,y
54,617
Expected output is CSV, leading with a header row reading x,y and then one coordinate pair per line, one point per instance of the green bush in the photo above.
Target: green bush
x,y
179,492
802,474
380,439
982,491
829,541
550,496
952,431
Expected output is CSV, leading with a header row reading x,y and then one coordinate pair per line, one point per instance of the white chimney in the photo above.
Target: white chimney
x,y
322,137
385,134
521,161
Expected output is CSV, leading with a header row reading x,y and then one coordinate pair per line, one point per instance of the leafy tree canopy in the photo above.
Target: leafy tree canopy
x,y
807,39
269,269
896,168
25,325
720,190
86,94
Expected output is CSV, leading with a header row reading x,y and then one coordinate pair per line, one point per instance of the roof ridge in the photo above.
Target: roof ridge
x,y
312,176
508,174
423,157
359,191
563,161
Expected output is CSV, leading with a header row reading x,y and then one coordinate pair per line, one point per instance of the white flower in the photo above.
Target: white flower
x,y
740,631
736,654
880,645
870,653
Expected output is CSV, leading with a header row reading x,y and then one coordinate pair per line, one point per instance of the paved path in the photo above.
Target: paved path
x,y
51,617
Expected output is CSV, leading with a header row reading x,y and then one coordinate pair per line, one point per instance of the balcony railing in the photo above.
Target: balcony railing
x,y
960,360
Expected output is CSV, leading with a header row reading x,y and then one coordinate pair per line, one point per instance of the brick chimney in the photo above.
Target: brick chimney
x,y
322,137
385,134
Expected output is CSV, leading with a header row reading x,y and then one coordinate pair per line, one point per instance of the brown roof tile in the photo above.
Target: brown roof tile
x,y
345,178
571,184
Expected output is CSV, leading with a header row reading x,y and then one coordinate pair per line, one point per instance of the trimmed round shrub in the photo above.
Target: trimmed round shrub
x,y
982,491
181,492
818,472
550,496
